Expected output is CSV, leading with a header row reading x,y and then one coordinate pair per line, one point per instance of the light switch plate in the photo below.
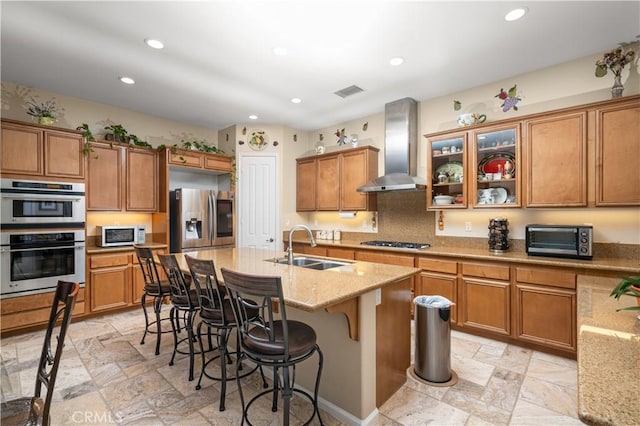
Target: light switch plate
x,y
378,296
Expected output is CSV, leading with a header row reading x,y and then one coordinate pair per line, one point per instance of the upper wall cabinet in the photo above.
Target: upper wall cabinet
x,y
495,166
555,158
122,178
447,168
328,182
200,160
41,151
617,139
574,157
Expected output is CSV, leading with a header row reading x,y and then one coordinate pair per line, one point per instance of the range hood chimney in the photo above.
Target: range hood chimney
x,y
400,149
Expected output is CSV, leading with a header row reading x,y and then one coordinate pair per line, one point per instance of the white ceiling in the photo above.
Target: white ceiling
x,y
218,67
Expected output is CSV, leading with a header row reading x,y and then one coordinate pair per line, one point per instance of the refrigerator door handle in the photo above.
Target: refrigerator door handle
x,y
213,214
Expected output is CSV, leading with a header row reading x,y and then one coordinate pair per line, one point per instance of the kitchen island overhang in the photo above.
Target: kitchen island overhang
x,y
361,371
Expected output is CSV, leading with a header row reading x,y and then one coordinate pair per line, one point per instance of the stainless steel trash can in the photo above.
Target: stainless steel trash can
x,y
432,357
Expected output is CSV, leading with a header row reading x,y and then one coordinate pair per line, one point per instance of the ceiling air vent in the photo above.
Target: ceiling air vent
x,y
348,91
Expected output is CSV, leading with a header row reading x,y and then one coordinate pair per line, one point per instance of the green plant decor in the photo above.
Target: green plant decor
x,y
118,133
629,286
201,146
86,132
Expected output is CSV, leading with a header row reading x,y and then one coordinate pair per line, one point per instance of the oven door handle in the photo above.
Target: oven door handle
x,y
9,250
42,197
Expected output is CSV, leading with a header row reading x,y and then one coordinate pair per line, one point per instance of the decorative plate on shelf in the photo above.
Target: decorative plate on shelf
x,y
259,140
452,168
490,163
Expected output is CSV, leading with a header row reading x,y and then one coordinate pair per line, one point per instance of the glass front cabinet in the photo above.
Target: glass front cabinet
x,y
495,167
447,170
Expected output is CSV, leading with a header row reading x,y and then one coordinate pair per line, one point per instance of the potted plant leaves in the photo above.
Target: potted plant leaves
x,y
44,112
86,132
117,133
629,286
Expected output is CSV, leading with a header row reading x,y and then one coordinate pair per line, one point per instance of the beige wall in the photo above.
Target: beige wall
x,y
73,112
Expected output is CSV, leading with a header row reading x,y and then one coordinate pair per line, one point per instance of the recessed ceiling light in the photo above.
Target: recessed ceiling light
x,y
126,80
156,44
279,51
515,14
296,100
396,61
253,117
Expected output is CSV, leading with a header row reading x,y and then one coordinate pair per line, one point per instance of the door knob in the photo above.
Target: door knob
x,y
270,240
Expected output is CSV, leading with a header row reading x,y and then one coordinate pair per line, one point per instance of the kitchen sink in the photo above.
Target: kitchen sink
x,y
310,262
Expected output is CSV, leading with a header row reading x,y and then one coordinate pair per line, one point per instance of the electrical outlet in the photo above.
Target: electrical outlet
x,y
467,226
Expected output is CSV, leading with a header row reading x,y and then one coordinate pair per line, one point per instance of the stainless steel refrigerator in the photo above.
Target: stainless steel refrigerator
x,y
200,219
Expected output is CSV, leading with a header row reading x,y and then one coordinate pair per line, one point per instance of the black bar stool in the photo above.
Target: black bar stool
x,y
153,287
184,304
268,341
217,315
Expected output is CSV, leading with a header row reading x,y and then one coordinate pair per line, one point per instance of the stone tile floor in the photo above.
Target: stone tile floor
x,y
107,377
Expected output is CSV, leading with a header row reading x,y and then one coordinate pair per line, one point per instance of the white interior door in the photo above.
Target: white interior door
x,y
258,202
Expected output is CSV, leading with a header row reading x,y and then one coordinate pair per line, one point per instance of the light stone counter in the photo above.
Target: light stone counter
x,y
630,266
306,289
608,355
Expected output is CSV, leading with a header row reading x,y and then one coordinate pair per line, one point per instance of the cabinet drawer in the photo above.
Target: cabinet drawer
x,y
185,159
386,258
218,163
546,277
340,253
436,265
104,261
484,270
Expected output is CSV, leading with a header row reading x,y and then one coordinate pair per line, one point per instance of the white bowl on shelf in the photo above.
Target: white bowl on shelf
x,y
443,200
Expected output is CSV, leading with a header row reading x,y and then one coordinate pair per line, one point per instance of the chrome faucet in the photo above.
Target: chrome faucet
x,y
290,248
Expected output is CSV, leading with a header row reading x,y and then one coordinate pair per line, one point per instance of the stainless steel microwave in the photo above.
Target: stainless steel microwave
x,y
573,241
115,236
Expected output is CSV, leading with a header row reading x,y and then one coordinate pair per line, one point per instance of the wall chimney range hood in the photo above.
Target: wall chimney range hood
x,y
400,149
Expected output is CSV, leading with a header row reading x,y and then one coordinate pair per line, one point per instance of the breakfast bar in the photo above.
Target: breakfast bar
x,y
359,312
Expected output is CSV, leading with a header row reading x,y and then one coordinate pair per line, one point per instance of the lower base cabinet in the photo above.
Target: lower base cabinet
x,y
486,297
28,311
438,278
110,281
545,308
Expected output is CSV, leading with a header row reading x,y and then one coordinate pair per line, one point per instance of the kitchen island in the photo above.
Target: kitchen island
x,y
359,311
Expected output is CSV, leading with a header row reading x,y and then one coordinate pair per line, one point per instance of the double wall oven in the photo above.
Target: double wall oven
x,y
43,238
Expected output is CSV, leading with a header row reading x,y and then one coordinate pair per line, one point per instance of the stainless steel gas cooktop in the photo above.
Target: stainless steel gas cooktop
x,y
396,244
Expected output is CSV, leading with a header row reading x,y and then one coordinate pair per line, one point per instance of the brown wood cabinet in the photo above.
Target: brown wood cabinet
x,y
617,139
328,182
573,157
555,159
30,311
438,278
341,253
545,307
200,160
110,281
486,298
122,178
41,151
306,172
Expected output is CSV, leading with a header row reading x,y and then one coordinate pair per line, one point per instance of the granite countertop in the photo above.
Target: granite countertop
x,y
623,266
608,355
306,289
